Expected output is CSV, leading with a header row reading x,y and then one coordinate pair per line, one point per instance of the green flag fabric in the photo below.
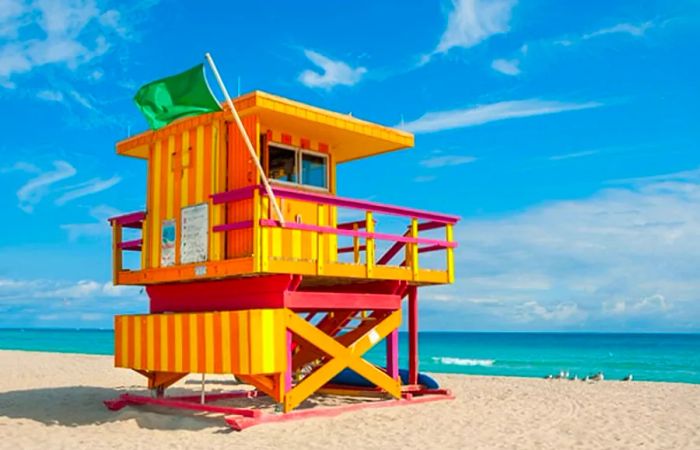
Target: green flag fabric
x,y
182,95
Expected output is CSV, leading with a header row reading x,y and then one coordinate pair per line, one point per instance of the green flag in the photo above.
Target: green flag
x,y
182,95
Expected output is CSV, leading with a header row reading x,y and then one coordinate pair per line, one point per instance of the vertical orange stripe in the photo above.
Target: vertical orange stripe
x,y
243,340
146,234
192,169
117,341
171,343
144,341
156,343
218,357
130,341
186,344
201,343
233,339
207,162
177,180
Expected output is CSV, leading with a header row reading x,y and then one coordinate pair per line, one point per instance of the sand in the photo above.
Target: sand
x,y
52,401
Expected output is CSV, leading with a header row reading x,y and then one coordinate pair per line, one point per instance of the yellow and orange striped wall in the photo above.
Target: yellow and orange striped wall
x,y
248,342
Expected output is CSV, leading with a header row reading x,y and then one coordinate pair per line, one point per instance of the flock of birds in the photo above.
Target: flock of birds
x,y
595,377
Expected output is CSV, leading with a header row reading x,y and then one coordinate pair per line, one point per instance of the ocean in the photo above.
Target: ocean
x,y
648,357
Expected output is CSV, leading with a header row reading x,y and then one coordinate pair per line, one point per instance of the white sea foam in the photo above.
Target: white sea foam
x,y
448,360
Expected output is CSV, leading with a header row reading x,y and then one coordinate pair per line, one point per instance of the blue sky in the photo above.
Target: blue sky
x,y
564,133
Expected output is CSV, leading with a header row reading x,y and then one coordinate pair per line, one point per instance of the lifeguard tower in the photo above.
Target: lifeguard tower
x,y
287,308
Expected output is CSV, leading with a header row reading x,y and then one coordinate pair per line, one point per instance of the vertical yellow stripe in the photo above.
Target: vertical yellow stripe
x,y
217,165
193,344
163,342
276,240
186,161
199,168
296,244
243,344
138,342
209,342
255,340
266,340
178,343
150,344
171,179
154,213
225,342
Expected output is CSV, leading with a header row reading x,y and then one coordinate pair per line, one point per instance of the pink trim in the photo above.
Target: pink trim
x,y
351,225
130,399
288,372
430,248
134,245
234,195
413,335
327,199
362,248
358,233
131,220
233,226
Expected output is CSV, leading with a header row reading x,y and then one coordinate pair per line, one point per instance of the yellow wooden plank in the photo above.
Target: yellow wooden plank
x,y
194,351
164,352
150,342
138,347
124,340
186,168
199,175
168,166
267,333
154,213
209,342
369,243
179,344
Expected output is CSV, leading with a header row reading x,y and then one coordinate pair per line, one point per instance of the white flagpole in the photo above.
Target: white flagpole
x,y
251,150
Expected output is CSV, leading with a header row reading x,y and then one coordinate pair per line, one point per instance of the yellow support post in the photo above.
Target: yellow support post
x,y
369,244
264,238
320,246
413,250
449,237
257,233
356,245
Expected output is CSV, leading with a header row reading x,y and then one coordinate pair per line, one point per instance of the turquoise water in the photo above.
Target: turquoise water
x,y
651,357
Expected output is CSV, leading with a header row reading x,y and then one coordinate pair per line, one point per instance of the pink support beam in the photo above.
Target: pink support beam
x,y
134,245
131,220
413,335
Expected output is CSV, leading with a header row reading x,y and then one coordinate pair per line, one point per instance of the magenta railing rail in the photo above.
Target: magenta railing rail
x,y
332,200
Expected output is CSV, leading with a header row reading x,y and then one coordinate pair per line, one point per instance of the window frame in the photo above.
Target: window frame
x,y
298,153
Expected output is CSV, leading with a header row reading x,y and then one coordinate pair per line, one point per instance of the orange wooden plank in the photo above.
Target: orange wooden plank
x,y
218,358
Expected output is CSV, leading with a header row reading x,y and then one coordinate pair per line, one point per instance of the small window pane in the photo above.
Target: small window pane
x,y
313,170
283,164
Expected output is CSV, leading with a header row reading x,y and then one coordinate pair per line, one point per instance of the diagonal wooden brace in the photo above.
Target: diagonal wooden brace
x,y
341,357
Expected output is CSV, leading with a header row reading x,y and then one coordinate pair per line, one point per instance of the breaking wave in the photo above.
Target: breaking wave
x,y
450,361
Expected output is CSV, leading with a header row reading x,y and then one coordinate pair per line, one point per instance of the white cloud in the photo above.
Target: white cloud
x,y
423,178
621,28
481,114
50,96
506,66
333,73
472,21
446,160
622,259
42,32
580,154
34,190
98,227
88,188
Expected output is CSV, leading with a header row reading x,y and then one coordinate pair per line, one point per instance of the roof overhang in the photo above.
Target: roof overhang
x,y
349,138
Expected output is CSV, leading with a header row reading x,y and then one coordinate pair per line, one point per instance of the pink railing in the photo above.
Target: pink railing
x,y
361,229
132,220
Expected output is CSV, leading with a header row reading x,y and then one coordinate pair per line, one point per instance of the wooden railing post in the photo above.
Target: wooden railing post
x,y
449,237
265,236
116,251
369,244
413,249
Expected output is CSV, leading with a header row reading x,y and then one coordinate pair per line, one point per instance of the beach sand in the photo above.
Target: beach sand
x,y
51,401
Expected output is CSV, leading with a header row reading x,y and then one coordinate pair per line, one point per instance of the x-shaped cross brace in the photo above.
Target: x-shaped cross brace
x,y
341,357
